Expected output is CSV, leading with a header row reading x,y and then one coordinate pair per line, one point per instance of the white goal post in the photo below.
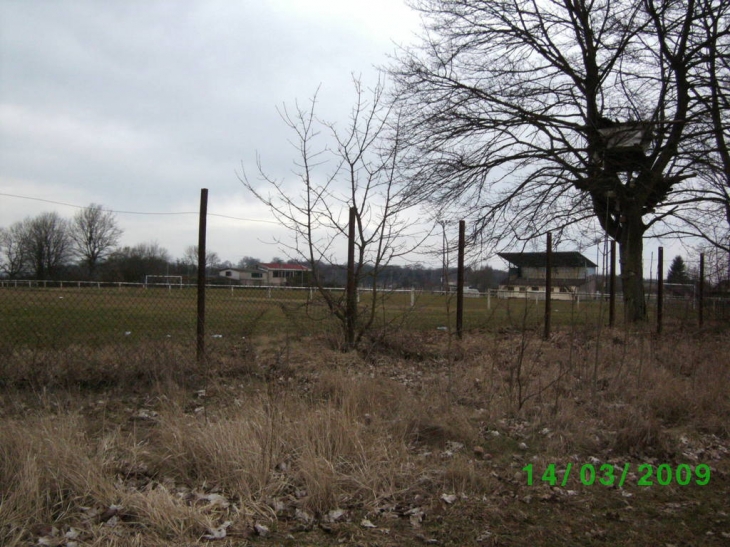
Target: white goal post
x,y
165,280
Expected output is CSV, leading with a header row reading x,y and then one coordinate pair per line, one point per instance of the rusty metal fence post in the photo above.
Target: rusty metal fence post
x,y
460,281
612,287
548,282
200,346
701,310
660,291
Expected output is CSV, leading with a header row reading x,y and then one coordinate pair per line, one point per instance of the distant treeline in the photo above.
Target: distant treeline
x,y
85,247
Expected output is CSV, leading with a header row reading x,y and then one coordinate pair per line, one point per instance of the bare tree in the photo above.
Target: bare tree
x,y
706,213
355,171
94,233
191,257
47,244
248,263
13,252
533,116
132,264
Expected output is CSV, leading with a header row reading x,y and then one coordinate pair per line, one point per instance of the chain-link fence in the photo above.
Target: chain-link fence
x,y
93,334
57,315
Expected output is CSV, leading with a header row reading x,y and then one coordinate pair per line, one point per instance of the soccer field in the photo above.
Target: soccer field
x,y
77,314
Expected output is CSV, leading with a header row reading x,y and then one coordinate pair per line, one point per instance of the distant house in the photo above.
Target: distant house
x,y
244,277
268,274
571,274
282,274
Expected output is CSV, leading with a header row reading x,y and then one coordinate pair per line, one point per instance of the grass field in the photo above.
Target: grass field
x,y
57,317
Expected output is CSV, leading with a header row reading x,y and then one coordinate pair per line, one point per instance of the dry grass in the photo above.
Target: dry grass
x,y
119,366
287,432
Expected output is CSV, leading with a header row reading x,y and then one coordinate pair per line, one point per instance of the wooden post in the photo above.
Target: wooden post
x,y
612,287
660,292
548,282
201,274
460,282
701,310
351,297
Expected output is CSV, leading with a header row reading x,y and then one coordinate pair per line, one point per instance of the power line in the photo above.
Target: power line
x,y
140,212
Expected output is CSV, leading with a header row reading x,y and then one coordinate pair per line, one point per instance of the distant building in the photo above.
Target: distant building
x,y
244,277
282,274
571,274
268,274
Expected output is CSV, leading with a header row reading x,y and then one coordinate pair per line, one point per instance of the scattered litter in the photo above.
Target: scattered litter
x,y
484,536
111,512
49,537
217,336
282,467
127,333
261,530
522,446
365,523
214,500
144,415
454,446
448,498
303,516
334,515
415,516
277,505
218,533
442,328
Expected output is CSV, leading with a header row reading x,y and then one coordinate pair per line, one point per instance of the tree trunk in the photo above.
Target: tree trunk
x,y
631,248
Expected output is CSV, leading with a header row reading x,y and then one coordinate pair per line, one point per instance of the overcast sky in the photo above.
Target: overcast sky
x,y
136,105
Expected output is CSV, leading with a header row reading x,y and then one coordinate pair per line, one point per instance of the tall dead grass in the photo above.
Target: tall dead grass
x,y
124,366
317,431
